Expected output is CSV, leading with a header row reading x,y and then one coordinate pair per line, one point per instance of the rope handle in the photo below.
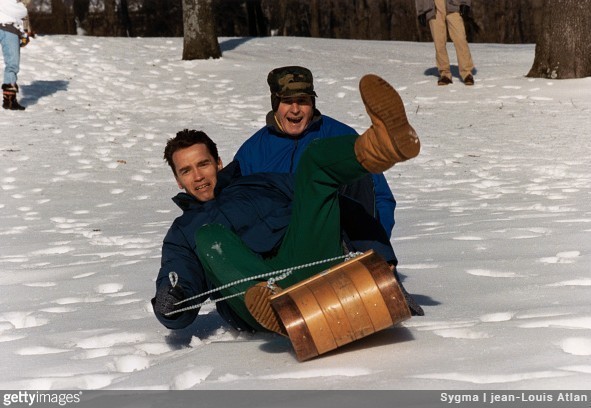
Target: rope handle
x,y
283,273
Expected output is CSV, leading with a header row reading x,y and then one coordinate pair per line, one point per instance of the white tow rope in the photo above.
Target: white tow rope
x,y
280,274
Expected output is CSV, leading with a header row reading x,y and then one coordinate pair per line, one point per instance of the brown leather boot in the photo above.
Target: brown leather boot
x,y
9,101
390,139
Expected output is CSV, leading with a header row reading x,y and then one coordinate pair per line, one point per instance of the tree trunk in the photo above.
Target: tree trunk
x,y
81,8
111,22
563,48
59,16
124,17
200,37
257,26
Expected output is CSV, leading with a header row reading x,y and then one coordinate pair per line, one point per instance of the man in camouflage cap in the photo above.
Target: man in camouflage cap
x,y
291,125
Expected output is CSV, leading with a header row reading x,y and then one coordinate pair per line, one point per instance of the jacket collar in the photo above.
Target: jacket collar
x,y
274,128
226,176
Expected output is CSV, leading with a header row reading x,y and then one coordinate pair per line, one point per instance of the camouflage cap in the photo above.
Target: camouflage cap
x,y
291,81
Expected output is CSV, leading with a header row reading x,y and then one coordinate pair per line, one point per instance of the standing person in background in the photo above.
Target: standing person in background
x,y
14,34
444,16
292,124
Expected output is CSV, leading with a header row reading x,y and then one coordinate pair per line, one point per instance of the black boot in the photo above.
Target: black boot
x,y
415,308
9,92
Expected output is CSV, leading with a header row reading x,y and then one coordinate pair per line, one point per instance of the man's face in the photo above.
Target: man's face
x,y
196,171
295,113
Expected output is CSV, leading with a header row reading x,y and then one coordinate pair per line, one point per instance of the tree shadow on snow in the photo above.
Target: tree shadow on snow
x,y
233,43
40,89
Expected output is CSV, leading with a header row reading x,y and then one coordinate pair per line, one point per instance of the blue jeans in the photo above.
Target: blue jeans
x,y
11,51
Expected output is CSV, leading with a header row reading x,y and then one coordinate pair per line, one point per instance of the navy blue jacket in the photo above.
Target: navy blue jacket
x,y
271,150
258,209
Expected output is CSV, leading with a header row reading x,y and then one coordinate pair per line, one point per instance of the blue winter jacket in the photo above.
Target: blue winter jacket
x,y
258,209
271,150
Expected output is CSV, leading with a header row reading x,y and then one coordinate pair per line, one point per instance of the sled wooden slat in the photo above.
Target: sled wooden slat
x,y
372,299
390,290
314,318
333,311
351,300
296,327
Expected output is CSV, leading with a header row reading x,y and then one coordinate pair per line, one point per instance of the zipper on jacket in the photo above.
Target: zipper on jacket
x,y
293,152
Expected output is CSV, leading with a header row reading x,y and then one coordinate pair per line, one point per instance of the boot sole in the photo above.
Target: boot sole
x,y
382,102
257,302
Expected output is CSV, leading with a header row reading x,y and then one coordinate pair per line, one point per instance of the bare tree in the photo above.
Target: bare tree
x,y
116,18
257,25
124,17
200,37
81,9
110,17
59,15
563,48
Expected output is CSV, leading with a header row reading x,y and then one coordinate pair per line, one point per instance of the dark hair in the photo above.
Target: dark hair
x,y
187,138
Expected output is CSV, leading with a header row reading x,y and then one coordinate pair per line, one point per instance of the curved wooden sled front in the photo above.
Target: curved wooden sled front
x,y
342,304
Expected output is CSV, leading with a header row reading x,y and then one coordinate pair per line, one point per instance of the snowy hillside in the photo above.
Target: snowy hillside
x,y
493,224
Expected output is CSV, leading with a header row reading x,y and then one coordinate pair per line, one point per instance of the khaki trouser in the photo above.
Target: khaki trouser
x,y
439,27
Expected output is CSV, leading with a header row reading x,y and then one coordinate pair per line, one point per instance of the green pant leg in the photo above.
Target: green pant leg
x,y
225,260
314,232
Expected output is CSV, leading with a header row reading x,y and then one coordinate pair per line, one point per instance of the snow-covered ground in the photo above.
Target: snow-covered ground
x,y
493,225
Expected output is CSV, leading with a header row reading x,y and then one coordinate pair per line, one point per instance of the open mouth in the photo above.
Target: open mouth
x,y
202,187
295,121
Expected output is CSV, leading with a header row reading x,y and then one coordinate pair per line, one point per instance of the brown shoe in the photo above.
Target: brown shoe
x,y
390,139
444,80
257,302
469,80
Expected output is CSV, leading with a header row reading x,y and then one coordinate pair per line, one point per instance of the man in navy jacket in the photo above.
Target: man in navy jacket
x,y
292,124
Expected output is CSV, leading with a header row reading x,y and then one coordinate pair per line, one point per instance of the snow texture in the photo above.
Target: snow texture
x,y
493,228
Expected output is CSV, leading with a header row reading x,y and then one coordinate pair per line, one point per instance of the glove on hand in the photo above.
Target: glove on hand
x,y
423,19
464,10
166,297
